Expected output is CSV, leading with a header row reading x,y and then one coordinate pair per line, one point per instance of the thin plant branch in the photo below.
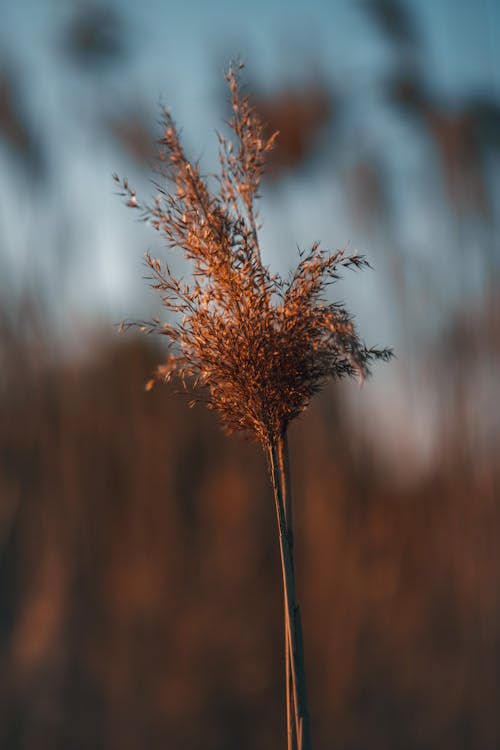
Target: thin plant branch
x,y
284,471
292,612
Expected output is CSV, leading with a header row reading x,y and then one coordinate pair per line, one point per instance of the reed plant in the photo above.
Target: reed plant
x,y
251,344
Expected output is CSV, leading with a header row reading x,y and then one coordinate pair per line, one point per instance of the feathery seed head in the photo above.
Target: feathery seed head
x,y
251,344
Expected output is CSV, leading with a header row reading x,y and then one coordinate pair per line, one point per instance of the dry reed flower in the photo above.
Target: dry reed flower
x,y
253,345
256,347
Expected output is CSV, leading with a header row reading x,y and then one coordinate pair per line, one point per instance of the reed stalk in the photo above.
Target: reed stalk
x,y
252,345
298,736
284,472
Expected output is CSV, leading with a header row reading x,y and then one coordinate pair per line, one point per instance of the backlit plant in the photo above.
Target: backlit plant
x,y
252,345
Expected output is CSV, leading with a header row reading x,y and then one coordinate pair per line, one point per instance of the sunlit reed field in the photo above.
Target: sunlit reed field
x,y
139,576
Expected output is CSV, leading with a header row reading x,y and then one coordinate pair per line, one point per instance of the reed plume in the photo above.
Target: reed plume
x,y
251,344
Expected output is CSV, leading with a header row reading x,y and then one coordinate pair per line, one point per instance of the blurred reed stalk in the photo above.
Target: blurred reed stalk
x,y
252,345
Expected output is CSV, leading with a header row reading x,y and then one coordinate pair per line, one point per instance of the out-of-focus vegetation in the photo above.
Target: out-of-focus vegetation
x,y
141,602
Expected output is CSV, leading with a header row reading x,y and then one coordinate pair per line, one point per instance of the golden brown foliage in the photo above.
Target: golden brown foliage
x,y
258,346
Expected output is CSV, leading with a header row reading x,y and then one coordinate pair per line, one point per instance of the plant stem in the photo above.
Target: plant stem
x,y
284,470
298,728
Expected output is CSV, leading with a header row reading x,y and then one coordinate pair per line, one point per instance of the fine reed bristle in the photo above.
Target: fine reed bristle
x,y
254,346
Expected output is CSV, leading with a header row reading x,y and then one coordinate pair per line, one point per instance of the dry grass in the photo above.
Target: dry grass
x,y
256,345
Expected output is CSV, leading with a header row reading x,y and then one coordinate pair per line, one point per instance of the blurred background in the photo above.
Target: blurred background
x,y
140,600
